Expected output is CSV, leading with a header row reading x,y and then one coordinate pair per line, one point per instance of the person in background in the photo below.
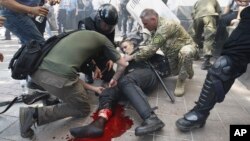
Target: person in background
x,y
2,19
205,15
230,16
21,20
7,35
231,64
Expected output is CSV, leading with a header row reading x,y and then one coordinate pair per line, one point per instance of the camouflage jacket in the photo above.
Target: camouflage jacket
x,y
206,8
169,36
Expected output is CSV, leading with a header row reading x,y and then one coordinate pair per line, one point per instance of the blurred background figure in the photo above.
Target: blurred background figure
x,y
7,35
125,22
51,24
205,15
67,15
230,17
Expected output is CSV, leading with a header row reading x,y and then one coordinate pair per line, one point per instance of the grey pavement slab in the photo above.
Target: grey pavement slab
x,y
234,110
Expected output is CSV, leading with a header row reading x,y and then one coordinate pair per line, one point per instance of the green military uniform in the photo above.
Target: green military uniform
x,y
58,73
205,14
176,44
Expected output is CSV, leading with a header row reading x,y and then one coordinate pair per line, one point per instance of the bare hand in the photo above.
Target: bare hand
x,y
2,19
235,22
242,2
39,11
97,73
112,83
1,57
109,64
53,2
99,90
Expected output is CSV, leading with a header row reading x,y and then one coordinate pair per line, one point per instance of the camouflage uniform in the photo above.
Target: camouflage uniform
x,y
205,15
175,43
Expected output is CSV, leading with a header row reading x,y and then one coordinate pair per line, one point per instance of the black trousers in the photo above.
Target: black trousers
x,y
225,21
132,86
237,51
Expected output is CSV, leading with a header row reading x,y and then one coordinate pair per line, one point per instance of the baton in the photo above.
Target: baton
x,y
170,95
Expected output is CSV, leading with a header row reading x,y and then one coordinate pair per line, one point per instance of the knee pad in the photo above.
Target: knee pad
x,y
222,76
222,68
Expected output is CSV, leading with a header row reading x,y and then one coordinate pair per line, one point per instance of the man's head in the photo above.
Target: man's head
x,y
127,46
106,18
149,19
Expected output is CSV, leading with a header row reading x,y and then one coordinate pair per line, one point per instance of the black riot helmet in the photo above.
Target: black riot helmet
x,y
106,18
108,14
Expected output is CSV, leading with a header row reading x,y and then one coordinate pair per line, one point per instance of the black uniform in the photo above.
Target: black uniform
x,y
138,78
101,60
231,64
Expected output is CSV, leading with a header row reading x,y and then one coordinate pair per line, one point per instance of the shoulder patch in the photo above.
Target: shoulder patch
x,y
158,39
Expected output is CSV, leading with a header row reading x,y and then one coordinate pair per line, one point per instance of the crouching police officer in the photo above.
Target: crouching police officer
x,y
176,44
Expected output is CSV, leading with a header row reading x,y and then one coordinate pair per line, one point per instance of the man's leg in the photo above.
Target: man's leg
x,y
196,30
72,93
107,100
22,26
218,82
132,86
223,22
185,58
209,39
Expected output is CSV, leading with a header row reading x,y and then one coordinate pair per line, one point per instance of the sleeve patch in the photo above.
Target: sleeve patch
x,y
158,39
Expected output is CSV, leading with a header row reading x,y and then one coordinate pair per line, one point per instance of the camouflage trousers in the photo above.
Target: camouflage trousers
x,y
206,26
181,64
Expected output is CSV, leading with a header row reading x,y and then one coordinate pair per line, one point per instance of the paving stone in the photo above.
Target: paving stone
x,y
5,122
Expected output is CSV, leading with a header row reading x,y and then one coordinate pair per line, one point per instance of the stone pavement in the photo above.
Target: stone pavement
x,y
234,110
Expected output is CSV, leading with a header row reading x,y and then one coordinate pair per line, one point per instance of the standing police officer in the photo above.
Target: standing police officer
x,y
230,65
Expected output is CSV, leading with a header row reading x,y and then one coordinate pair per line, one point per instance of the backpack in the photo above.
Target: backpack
x,y
29,57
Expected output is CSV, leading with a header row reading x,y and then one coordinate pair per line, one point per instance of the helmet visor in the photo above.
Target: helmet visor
x,y
106,28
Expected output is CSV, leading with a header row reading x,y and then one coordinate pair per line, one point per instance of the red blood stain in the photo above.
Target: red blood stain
x,y
115,127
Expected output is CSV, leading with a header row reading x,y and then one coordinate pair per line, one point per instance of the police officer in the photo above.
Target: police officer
x,y
174,41
205,15
138,79
231,64
104,22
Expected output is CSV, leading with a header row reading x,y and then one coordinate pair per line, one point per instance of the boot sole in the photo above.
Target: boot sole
x,y
148,132
29,133
186,129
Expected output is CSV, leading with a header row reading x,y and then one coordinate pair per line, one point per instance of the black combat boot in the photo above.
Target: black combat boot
x,y
149,125
196,118
93,130
206,64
